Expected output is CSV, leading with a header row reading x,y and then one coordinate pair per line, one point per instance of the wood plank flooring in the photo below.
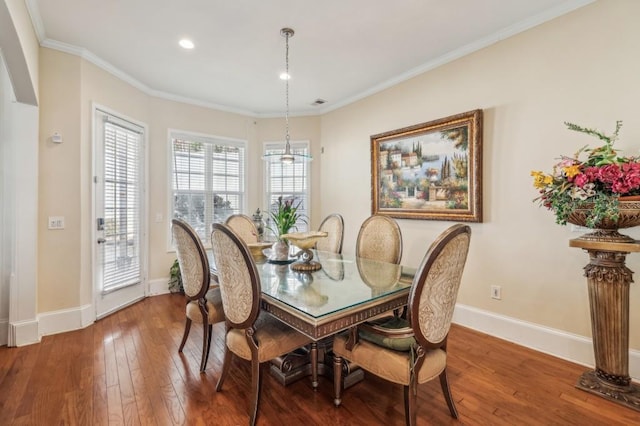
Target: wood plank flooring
x,y
126,369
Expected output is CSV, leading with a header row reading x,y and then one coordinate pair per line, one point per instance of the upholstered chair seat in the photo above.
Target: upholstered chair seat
x,y
389,364
273,336
215,313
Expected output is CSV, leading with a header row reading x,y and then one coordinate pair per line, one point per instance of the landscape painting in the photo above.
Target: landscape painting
x,y
430,171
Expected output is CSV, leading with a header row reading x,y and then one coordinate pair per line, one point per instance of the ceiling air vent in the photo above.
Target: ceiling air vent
x,y
318,102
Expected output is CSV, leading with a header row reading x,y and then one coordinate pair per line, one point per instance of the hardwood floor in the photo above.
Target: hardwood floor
x,y
126,369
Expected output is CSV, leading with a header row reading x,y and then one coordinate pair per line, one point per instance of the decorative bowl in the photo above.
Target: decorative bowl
x,y
304,240
257,248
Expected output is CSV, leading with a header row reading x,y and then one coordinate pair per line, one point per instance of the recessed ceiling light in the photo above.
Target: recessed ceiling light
x,y
186,43
285,76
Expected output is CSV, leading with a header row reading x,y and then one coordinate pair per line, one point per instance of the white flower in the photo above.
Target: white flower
x,y
583,193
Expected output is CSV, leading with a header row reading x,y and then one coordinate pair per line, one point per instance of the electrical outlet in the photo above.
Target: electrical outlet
x,y
496,292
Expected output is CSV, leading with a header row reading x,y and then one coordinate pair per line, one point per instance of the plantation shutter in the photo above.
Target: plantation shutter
x,y
208,181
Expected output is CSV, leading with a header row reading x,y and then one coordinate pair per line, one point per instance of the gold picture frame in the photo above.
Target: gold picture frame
x,y
430,170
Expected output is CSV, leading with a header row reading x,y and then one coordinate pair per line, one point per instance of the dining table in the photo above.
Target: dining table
x,y
344,292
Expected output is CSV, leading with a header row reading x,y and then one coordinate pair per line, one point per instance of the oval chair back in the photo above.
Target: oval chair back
x,y
380,239
244,227
237,276
333,225
434,291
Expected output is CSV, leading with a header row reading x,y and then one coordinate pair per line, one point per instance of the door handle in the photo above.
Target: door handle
x,y
101,240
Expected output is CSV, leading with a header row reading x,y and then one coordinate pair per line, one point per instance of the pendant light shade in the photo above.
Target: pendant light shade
x,y
288,157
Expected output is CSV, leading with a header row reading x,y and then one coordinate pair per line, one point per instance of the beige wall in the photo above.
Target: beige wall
x,y
69,87
59,254
582,68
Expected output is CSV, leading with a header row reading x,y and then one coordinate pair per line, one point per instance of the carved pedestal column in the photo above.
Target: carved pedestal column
x,y
608,280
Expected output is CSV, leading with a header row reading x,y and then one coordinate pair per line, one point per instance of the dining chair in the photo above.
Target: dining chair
x,y
412,351
204,305
333,225
379,239
244,227
251,334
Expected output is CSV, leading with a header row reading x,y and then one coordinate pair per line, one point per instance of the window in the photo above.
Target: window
x,y
207,180
289,181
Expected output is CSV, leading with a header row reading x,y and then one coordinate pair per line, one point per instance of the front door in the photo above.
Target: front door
x,y
119,261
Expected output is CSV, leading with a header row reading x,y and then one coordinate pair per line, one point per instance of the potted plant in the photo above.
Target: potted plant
x,y
283,219
596,192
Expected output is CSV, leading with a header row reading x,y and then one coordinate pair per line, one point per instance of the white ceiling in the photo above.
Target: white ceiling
x,y
342,50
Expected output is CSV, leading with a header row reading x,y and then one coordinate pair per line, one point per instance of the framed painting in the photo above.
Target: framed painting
x,y
430,170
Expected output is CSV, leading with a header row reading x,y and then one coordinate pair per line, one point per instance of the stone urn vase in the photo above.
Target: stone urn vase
x,y
607,230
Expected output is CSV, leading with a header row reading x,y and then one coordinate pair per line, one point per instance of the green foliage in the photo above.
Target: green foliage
x,y
285,216
175,278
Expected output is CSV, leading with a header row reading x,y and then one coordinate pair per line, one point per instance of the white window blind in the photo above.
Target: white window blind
x,y
122,209
208,180
289,181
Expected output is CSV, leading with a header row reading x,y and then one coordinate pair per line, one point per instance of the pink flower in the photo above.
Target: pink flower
x,y
609,173
580,180
591,173
631,173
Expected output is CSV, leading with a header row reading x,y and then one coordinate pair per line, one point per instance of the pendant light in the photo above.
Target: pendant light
x,y
287,157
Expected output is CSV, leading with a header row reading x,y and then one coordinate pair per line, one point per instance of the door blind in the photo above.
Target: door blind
x,y
122,195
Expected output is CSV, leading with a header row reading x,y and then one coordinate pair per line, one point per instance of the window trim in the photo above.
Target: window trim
x,y
173,133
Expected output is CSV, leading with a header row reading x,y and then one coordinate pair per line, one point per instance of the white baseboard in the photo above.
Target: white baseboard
x,y
159,286
55,322
4,331
76,318
23,333
561,344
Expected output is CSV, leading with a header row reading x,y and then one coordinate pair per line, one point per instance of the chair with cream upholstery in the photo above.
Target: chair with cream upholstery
x,y
333,225
412,351
203,303
244,227
380,239
251,334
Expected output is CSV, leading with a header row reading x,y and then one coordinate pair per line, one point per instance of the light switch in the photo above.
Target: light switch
x,y
56,222
158,217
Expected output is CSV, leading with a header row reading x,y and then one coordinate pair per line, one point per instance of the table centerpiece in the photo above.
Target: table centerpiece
x,y
283,219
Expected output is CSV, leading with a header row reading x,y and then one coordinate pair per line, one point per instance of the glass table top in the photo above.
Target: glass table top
x,y
341,283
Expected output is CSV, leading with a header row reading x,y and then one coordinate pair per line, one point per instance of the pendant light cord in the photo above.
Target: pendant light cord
x,y
287,35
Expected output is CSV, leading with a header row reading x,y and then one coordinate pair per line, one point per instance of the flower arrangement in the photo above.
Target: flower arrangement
x,y
596,183
284,216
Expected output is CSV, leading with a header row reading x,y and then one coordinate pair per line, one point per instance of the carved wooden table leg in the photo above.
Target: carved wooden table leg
x,y
608,280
